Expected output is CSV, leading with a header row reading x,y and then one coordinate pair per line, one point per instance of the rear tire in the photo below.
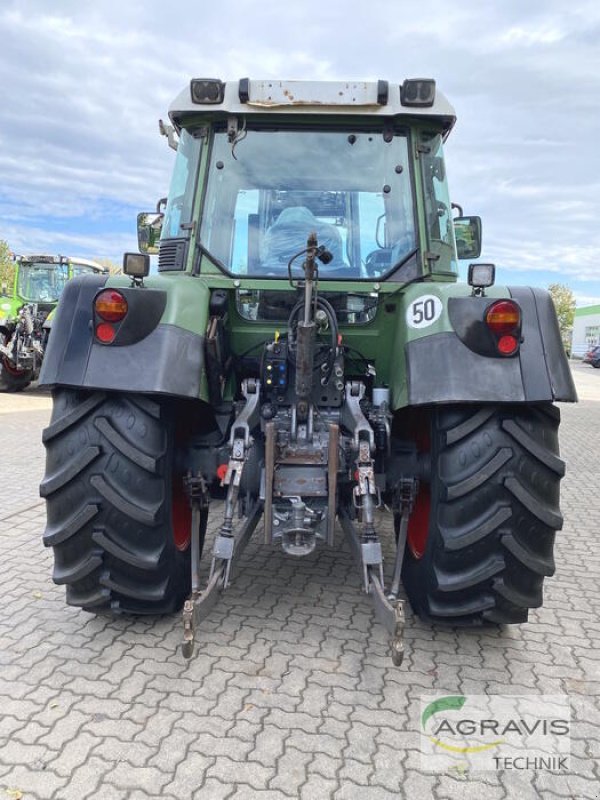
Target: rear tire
x,y
493,513
108,490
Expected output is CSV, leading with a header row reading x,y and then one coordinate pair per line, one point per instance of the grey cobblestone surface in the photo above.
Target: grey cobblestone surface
x,y
292,694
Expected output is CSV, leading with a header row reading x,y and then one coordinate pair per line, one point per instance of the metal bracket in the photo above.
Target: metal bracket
x,y
352,416
372,559
404,501
249,416
223,551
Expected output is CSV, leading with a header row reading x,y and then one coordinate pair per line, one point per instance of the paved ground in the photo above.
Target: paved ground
x,y
292,694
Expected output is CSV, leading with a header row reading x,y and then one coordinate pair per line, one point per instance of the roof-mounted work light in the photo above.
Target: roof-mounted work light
x,y
207,91
418,92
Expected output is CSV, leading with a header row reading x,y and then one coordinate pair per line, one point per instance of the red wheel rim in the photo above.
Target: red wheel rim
x,y
418,523
181,515
7,365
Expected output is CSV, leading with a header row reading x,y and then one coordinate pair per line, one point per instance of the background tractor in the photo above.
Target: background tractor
x,y
306,353
25,314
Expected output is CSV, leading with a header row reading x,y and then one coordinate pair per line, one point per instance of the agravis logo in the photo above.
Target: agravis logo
x,y
495,732
454,703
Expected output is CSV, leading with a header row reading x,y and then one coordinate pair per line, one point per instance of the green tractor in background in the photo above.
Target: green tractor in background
x,y
306,353
26,310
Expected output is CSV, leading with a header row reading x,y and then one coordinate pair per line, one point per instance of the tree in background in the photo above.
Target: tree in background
x,y
564,303
7,265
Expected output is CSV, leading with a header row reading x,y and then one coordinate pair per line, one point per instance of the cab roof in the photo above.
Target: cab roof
x,y
47,259
414,98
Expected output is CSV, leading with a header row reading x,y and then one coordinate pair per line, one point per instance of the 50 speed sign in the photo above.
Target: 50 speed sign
x,y
424,311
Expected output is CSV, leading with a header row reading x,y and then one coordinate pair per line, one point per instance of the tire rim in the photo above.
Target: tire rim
x,y
8,365
418,523
181,515
12,370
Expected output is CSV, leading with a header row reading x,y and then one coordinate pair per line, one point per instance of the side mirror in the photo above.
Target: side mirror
x,y
467,232
149,227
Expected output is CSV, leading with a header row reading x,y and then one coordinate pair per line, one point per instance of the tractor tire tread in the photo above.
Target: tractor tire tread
x,y
57,535
72,416
109,467
68,471
146,514
495,510
124,446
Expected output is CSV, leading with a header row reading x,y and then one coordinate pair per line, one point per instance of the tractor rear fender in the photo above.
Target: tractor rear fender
x,y
450,357
158,347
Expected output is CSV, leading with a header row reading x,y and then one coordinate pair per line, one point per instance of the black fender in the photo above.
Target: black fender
x,y
455,367
146,356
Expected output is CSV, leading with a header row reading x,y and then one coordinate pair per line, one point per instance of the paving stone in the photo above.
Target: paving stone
x,y
291,770
149,779
215,790
317,786
268,745
74,754
37,781
351,791
252,773
189,777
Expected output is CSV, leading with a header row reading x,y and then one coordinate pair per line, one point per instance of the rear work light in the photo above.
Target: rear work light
x,y
503,318
207,91
418,92
110,305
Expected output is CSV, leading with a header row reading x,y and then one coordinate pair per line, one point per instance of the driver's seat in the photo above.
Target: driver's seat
x,y
288,235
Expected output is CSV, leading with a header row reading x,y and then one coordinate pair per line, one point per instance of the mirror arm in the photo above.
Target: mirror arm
x,y
169,132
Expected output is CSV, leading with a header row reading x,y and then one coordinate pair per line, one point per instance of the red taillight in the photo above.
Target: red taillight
x,y
507,345
105,332
110,305
503,318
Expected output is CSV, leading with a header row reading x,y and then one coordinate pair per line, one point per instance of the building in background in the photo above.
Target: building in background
x,y
586,330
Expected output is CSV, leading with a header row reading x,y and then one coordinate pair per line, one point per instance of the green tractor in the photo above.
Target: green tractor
x,y
26,314
306,354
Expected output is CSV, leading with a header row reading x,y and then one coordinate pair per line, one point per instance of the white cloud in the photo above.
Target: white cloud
x,y
532,35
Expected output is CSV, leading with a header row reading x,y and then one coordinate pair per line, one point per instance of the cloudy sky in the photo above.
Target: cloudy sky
x,y
84,84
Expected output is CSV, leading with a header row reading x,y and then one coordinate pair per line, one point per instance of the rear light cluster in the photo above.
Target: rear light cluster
x,y
503,318
110,308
